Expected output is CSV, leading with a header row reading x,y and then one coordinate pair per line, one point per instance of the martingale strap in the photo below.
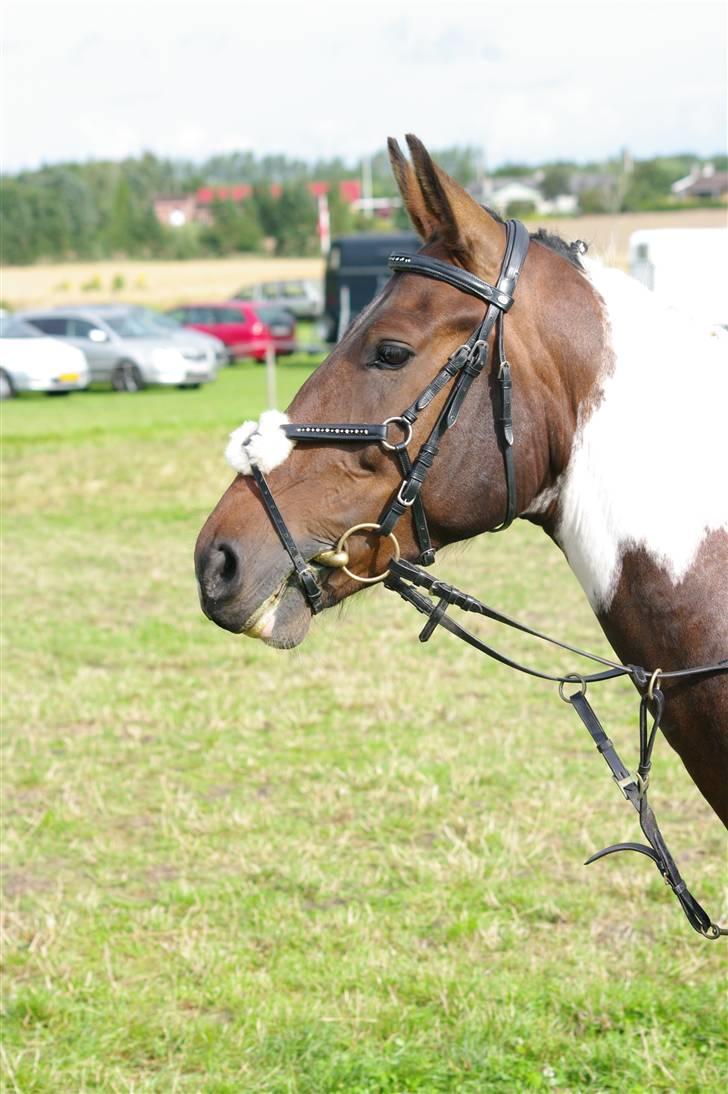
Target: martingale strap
x,y
402,579
634,789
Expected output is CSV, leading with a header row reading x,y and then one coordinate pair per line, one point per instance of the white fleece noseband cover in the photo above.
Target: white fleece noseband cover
x,y
262,443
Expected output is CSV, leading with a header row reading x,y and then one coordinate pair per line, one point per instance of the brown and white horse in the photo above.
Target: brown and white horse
x,y
620,411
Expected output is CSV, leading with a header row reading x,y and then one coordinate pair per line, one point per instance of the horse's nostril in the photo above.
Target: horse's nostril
x,y
221,570
230,567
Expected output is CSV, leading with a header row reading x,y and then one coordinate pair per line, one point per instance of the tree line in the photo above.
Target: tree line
x,y
105,209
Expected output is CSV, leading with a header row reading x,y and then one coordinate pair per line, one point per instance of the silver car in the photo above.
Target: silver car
x,y
131,347
304,298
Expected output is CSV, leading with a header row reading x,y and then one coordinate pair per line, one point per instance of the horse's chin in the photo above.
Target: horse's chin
x,y
283,621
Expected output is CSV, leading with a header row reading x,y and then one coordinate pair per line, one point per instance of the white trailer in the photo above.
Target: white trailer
x,y
686,267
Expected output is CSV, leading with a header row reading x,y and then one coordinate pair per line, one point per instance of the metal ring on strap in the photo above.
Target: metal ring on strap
x,y
653,681
572,678
372,528
407,426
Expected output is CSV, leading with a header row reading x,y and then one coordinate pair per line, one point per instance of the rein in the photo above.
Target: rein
x,y
461,369
402,579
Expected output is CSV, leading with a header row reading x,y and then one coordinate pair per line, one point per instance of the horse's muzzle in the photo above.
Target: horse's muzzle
x,y
219,572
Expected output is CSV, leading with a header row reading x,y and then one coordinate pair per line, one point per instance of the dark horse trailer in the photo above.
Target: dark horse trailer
x,y
356,269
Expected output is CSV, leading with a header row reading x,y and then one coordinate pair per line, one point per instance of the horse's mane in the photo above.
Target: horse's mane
x,y
570,251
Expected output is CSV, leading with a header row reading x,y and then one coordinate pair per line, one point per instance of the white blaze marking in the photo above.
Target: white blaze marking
x,y
649,466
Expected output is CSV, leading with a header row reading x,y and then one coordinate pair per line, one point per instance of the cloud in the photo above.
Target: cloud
x,y
525,81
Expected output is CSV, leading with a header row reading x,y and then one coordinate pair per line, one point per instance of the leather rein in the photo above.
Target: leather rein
x,y
404,578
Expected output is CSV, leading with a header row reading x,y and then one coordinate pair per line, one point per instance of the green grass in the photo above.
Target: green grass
x,y
354,867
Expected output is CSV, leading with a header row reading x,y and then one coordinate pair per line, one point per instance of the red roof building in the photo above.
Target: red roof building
x,y
174,210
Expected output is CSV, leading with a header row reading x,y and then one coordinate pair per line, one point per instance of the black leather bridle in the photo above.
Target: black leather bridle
x,y
462,368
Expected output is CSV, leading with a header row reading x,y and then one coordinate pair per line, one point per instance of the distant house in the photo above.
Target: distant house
x,y
175,210
702,182
581,181
501,192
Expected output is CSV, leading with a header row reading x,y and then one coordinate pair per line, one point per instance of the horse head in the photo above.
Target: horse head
x,y
390,354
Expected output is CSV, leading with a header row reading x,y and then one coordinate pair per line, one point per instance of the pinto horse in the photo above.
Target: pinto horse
x,y
619,451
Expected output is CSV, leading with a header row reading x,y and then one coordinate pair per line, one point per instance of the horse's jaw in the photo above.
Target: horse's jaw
x,y
282,621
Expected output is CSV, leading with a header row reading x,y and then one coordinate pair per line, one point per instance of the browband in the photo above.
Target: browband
x,y
452,275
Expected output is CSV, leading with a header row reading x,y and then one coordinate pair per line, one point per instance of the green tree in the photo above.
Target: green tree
x,y
19,238
120,227
594,200
235,228
295,221
556,180
341,216
265,209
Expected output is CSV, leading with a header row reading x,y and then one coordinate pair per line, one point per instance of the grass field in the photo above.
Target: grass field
x,y
164,284
354,867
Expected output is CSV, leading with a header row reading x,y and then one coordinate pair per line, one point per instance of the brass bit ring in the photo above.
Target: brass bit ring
x,y
340,546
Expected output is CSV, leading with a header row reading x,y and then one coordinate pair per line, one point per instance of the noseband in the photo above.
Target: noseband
x,y
462,367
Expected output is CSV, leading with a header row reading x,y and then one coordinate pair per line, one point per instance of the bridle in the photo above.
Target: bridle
x,y
461,369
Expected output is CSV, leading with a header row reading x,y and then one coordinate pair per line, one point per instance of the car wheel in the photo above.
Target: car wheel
x,y
127,377
7,391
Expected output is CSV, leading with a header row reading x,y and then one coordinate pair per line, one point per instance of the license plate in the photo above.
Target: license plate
x,y
68,378
279,331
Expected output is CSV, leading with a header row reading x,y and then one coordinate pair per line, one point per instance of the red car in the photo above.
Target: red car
x,y
246,327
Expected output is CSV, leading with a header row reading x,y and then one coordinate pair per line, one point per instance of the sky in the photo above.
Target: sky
x,y
522,81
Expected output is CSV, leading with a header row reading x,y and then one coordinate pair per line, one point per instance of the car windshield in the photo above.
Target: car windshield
x,y
18,328
137,324
271,314
163,322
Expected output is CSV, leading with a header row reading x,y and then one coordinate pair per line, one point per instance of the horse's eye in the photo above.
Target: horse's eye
x,y
392,355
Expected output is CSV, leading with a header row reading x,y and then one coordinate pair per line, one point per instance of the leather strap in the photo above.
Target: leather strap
x,y
437,616
634,788
636,793
451,275
304,573
402,571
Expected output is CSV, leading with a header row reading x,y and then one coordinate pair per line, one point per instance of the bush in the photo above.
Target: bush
x,y
520,209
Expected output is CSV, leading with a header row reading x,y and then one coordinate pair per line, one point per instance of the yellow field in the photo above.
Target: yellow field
x,y
167,283
159,284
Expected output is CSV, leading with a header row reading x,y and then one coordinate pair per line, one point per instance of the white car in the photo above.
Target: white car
x,y
29,361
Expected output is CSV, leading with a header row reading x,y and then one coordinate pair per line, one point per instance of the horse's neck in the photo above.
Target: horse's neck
x,y
646,475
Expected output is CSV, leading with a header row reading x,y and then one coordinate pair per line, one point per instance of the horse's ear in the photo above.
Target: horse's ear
x,y
469,233
410,190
